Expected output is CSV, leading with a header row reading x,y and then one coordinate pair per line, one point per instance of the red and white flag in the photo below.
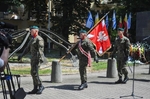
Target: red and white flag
x,y
99,36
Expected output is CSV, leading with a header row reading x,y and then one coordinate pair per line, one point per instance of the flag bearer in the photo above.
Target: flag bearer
x,y
85,49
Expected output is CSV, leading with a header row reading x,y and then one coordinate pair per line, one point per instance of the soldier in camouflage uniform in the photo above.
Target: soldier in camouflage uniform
x,y
36,48
83,48
121,49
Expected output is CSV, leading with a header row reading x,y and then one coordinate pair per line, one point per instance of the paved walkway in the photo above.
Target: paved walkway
x,y
99,86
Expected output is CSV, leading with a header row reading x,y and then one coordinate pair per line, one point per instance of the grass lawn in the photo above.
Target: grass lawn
x,y
25,70
99,66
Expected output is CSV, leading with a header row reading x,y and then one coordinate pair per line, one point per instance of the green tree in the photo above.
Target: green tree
x,y
37,9
74,14
10,3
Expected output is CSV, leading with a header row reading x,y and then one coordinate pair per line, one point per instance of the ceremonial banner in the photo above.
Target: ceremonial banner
x,y
100,38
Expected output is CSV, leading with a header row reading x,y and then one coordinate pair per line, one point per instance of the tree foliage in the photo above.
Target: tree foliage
x,y
71,14
74,14
11,2
6,5
37,9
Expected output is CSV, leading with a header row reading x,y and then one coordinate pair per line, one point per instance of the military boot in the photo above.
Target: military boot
x,y
34,91
41,88
83,85
119,80
125,79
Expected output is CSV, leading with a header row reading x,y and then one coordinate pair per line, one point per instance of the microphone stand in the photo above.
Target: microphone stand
x,y
132,94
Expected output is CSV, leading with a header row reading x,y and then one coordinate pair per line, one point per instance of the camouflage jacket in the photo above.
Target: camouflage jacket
x,y
36,48
121,47
86,45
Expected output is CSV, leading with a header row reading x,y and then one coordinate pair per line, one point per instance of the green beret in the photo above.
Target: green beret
x,y
82,31
120,29
34,27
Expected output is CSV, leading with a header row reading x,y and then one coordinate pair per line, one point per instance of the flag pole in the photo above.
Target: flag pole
x,y
87,33
68,51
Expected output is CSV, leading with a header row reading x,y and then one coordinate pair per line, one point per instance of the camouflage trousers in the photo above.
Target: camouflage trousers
x,y
35,65
83,72
121,67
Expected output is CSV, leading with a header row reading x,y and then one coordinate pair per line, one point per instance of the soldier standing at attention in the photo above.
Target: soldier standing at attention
x,y
121,49
84,47
36,47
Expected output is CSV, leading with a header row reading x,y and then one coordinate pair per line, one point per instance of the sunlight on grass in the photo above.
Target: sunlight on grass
x,y
26,71
47,71
99,66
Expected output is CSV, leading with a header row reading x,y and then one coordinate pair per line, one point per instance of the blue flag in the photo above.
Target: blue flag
x,y
89,22
129,21
107,21
114,20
